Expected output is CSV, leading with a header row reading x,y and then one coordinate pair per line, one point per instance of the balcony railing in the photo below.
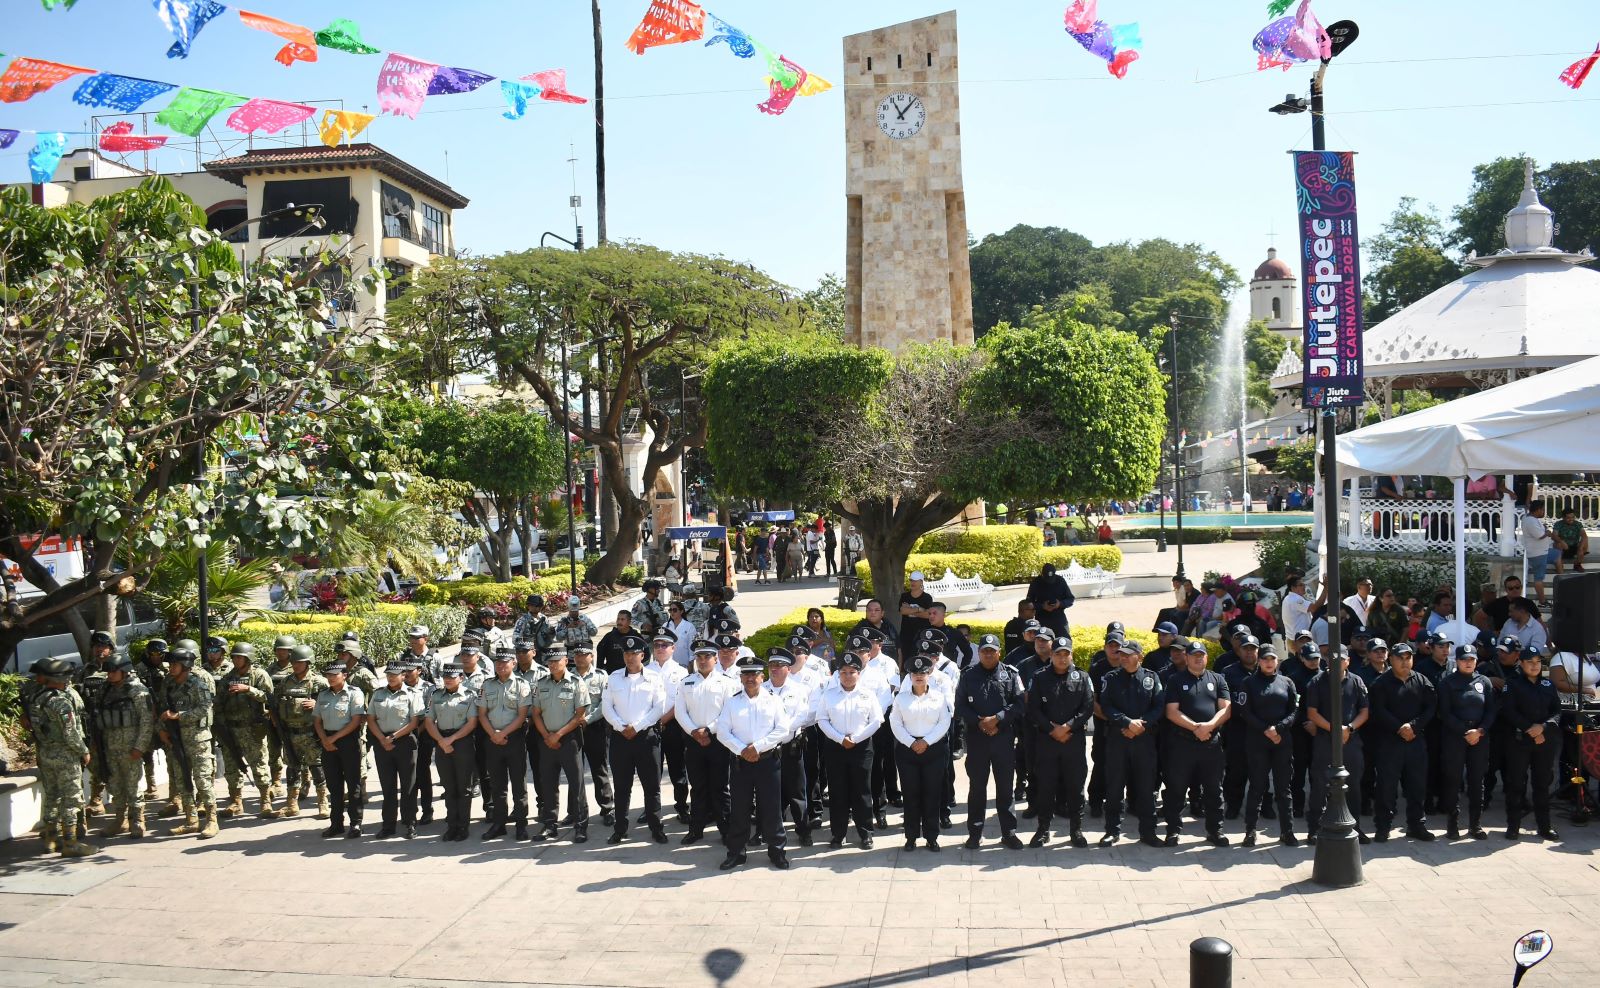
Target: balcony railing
x,y
1416,526
432,244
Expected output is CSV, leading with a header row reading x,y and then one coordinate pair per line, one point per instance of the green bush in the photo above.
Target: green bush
x,y
932,564
632,575
382,628
942,540
428,593
1010,552
1192,534
1408,577
1001,554
1107,557
1280,552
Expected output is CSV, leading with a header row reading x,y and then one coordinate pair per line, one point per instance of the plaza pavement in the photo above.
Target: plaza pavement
x,y
269,903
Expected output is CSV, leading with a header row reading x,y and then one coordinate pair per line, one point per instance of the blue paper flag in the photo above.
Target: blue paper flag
x,y
8,138
119,92
737,40
46,154
518,95
448,81
185,18
1126,36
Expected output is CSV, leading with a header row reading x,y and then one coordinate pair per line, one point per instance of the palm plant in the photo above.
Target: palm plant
x,y
230,586
382,530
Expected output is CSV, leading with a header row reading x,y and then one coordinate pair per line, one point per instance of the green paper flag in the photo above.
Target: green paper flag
x,y
191,108
344,35
53,4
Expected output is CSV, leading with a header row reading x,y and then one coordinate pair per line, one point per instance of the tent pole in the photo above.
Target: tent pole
x,y
1461,550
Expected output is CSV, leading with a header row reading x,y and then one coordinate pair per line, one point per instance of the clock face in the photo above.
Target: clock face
x,y
901,115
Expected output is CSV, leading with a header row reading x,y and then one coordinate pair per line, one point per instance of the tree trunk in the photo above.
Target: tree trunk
x,y
525,533
624,539
889,531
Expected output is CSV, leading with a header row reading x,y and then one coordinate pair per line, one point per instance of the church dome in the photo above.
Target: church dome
x,y
1273,269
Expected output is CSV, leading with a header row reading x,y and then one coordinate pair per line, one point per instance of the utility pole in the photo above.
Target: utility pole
x,y
599,128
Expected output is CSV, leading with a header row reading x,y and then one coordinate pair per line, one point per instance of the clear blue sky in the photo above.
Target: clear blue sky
x,y
1181,148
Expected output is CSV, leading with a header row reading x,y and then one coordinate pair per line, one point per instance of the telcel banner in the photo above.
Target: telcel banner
x,y
1325,190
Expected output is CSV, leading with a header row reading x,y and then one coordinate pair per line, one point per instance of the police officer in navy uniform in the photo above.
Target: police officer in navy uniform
x,y
1301,669
1468,705
1133,703
1101,665
1060,703
1236,771
989,699
1403,704
1530,706
1353,710
1197,707
1038,658
1268,706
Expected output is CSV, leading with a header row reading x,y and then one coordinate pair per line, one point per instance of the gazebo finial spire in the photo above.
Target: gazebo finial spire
x,y
1529,226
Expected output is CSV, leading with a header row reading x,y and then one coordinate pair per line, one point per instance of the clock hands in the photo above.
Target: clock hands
x,y
908,106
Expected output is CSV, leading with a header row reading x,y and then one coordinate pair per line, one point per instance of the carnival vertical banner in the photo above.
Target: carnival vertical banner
x,y
1330,249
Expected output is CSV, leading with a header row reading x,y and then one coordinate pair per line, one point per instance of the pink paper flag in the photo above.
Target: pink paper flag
x,y
1081,16
26,78
268,115
119,138
552,85
781,95
1578,71
302,46
403,84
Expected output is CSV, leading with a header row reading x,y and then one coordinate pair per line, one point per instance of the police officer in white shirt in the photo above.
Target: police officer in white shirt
x,y
728,645
633,705
699,700
798,699
848,717
663,648
751,726
920,722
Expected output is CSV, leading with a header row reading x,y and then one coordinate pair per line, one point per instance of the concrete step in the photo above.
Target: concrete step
x,y
1136,546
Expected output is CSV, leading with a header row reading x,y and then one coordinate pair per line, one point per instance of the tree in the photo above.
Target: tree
x,y
900,445
633,311
1571,189
1298,461
384,530
823,306
108,397
1409,261
1026,266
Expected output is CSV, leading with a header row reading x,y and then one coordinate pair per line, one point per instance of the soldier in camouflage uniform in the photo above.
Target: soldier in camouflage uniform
x,y
63,755
243,695
91,680
125,718
151,670
650,613
532,626
183,719
575,628
278,669
695,610
295,705
417,651
216,657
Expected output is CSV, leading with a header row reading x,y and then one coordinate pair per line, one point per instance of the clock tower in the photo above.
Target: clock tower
x,y
907,276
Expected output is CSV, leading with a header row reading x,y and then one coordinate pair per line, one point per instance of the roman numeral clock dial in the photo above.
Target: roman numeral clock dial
x,y
901,115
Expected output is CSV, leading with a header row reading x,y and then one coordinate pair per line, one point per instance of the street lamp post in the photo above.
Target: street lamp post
x,y
683,462
1177,436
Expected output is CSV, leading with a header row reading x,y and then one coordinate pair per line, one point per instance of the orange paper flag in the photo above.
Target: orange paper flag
x,y
302,46
25,78
668,22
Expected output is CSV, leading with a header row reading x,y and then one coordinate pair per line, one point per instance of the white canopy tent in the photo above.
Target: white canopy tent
x,y
1548,423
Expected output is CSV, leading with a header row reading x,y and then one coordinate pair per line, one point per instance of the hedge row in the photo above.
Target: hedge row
x,y
382,628
1000,554
1085,642
1192,535
483,591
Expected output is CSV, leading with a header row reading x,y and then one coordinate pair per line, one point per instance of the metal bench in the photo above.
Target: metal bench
x,y
961,593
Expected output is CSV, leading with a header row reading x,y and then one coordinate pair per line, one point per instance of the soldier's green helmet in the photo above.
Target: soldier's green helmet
x,y
244,650
189,644
183,653
284,641
301,653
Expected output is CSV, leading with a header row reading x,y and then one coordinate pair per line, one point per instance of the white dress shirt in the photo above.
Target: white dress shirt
x,y
636,701
854,714
1296,615
886,667
748,720
1359,606
683,650
926,716
700,699
672,676
874,682
798,704
814,674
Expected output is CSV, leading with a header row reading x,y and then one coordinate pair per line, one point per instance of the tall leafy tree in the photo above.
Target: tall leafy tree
x,y
1024,267
1570,188
1410,260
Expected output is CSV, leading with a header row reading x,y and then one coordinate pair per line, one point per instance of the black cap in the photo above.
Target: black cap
x,y
749,663
858,643
1131,645
450,669
1115,626
535,600
779,657
1196,647
850,660
989,641
725,626
1062,644
1510,643
727,640
920,663
583,646
1044,633
1248,641
1166,628
554,652
1268,652
1377,644
935,635
1309,652
333,668
872,634
632,643
1467,652
1403,648
1032,624
664,635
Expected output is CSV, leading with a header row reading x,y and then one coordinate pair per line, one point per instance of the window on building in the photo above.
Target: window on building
x,y
398,280
229,218
339,209
81,173
433,228
399,208
1277,309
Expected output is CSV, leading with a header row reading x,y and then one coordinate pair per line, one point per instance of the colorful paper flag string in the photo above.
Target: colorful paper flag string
x,y
344,35
46,154
449,81
552,85
119,138
1578,71
780,95
25,78
8,138
53,4
1277,8
338,126
403,84
302,43
1118,46
192,108
518,95
185,18
1289,40
268,115
668,22
738,42
119,92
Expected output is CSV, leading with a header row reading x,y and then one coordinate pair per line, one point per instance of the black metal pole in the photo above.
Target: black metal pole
x,y
1210,963
683,472
599,128
1161,499
1177,438
566,443
1338,855
202,571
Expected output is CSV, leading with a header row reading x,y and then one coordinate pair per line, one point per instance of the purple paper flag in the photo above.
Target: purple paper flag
x,y
8,138
449,81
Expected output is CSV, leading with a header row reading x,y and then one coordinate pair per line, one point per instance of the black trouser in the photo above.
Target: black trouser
x,y
508,766
456,772
397,774
480,778
597,752
1304,758
1274,762
1097,754
1433,782
1368,781
923,779
884,782
639,756
1027,784
706,766
1236,764
760,781
341,767
1191,761
566,760
427,749
1521,755
986,756
1130,766
673,744
815,777
796,796
1402,767
1059,771
848,787
1457,758
536,750
1321,757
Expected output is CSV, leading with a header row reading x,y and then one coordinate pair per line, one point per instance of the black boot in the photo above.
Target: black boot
x,y
1453,832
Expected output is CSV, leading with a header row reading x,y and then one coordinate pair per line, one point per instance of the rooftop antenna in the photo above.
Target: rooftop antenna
x,y
447,166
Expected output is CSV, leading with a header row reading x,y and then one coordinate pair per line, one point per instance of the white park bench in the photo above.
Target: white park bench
x,y
960,593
